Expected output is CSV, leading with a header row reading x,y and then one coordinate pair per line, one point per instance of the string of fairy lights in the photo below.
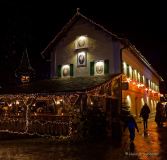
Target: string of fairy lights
x,y
28,125
32,124
107,89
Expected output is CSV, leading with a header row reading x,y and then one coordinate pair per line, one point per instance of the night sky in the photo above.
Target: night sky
x,y
33,25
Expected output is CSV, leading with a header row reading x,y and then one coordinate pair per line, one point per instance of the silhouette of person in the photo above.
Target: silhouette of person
x,y
159,114
144,113
132,125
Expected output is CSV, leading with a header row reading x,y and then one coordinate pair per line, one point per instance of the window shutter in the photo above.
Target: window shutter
x,y
71,70
59,70
92,68
106,66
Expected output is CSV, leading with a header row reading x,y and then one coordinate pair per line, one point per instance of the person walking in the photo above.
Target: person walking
x,y
144,113
132,125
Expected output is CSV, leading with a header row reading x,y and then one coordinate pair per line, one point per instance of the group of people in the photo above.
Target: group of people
x,y
144,113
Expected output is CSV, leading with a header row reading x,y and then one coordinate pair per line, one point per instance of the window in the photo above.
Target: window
x,y
81,59
124,68
99,67
65,70
138,77
135,75
81,42
130,72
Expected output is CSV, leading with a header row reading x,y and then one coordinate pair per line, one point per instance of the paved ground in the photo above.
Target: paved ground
x,y
150,146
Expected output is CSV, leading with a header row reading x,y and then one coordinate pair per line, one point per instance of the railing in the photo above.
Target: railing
x,y
39,124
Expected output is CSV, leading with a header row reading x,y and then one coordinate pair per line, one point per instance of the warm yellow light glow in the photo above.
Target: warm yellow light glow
x,y
146,89
82,38
65,70
81,53
10,105
99,67
128,99
161,95
142,101
57,102
142,85
25,79
138,85
130,71
152,106
128,79
124,68
81,42
17,102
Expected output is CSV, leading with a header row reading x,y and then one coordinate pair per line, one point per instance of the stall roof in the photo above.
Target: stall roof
x,y
59,85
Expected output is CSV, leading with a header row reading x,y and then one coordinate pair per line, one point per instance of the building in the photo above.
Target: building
x,y
103,53
143,81
90,68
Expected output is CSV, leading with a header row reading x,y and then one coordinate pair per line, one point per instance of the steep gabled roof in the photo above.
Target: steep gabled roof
x,y
69,25
126,43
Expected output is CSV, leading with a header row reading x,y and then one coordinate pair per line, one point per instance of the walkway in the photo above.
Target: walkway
x,y
150,146
147,146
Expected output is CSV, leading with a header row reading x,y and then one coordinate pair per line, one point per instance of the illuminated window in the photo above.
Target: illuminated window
x,y
138,77
81,42
128,100
130,72
125,68
81,59
142,79
134,74
65,71
152,105
147,101
142,101
99,67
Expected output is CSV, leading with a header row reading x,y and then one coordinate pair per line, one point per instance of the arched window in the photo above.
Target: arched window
x,y
128,100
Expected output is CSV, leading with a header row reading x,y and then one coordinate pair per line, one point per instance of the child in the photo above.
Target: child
x,y
131,124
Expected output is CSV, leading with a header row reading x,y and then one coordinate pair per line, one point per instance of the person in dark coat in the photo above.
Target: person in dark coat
x,y
144,113
159,114
132,125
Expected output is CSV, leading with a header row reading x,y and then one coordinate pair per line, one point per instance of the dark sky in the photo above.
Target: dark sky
x,y
33,25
